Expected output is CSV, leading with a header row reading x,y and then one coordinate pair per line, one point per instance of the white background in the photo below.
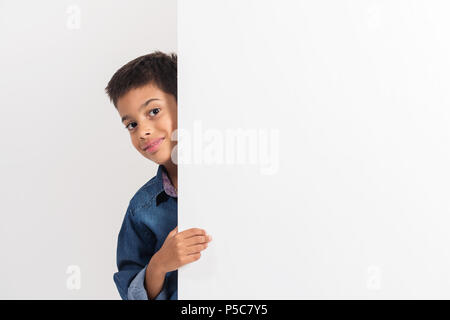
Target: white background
x,y
67,165
359,93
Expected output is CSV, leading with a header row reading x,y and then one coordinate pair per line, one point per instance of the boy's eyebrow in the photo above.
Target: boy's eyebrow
x,y
125,117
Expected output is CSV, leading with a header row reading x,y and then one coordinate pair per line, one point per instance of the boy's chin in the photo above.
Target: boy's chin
x,y
159,159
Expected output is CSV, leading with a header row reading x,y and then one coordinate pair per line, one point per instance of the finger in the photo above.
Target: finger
x,y
193,232
193,257
196,240
196,248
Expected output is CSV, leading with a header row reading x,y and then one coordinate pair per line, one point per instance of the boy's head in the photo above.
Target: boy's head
x,y
144,92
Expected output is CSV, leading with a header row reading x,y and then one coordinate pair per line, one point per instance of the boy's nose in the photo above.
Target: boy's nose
x,y
144,133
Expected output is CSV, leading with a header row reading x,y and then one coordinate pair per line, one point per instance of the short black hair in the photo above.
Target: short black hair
x,y
157,68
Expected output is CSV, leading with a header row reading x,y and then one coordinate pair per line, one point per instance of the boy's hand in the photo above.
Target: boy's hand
x,y
181,248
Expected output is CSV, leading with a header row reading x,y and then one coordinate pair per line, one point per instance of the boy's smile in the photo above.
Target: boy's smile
x,y
150,116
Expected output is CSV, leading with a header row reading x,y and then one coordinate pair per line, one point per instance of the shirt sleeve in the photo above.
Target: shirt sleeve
x,y
135,247
136,290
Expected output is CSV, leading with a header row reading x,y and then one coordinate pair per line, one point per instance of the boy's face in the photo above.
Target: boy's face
x,y
150,121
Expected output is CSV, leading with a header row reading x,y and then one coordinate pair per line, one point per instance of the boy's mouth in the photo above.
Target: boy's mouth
x,y
152,144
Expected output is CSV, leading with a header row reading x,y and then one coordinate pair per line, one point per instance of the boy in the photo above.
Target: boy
x,y
149,248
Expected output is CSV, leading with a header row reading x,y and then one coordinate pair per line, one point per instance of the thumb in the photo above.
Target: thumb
x,y
173,232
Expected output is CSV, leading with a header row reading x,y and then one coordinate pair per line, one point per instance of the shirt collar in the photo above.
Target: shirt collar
x,y
168,186
164,187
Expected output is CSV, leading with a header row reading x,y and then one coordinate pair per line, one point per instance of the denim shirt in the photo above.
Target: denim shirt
x,y
150,216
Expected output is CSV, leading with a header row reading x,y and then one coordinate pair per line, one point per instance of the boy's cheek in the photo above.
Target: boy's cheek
x,y
137,147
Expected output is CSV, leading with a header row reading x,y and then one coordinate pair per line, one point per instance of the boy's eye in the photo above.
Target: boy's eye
x,y
154,110
128,125
152,113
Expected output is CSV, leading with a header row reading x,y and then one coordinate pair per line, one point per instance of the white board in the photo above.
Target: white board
x,y
344,190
